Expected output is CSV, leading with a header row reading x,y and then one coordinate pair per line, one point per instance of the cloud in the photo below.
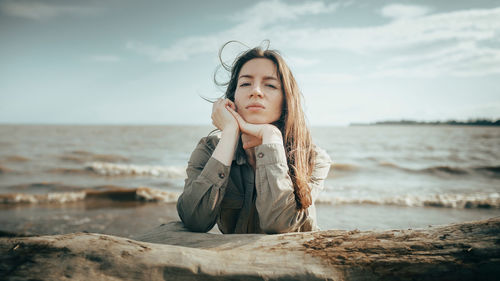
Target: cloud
x,y
462,60
329,78
445,31
180,51
472,25
144,49
296,61
399,11
105,58
250,26
268,12
36,10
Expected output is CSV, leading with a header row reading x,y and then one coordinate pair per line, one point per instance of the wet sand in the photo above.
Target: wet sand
x,y
120,218
120,214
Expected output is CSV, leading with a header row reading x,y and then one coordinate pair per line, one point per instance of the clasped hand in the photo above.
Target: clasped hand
x,y
224,116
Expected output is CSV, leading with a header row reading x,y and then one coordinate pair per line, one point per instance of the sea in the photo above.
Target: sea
x,y
125,179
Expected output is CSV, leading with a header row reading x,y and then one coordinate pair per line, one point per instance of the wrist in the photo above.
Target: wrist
x,y
272,134
231,132
226,147
231,129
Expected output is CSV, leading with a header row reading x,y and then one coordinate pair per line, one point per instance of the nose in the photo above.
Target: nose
x,y
256,91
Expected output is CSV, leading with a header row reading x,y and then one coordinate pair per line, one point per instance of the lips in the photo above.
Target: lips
x,y
255,105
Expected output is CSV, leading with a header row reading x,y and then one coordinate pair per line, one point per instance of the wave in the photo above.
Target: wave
x,y
483,170
491,169
343,167
428,170
43,187
111,169
147,194
16,158
338,169
458,201
5,170
69,171
445,170
449,170
82,156
112,193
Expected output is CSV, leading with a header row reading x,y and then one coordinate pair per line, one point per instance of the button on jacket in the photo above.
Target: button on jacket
x,y
241,201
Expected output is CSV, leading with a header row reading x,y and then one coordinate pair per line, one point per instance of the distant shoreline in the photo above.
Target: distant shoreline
x,y
478,122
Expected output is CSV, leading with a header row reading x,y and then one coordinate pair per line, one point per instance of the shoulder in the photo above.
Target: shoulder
x,y
321,156
203,150
322,164
209,142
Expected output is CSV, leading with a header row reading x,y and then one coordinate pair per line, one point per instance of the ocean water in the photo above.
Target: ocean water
x,y
124,179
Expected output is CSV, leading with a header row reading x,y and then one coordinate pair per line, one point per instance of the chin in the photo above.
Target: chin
x,y
257,120
254,119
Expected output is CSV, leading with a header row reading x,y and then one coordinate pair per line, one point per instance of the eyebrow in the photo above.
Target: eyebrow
x,y
251,77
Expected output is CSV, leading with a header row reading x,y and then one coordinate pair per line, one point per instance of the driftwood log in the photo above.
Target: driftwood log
x,y
465,251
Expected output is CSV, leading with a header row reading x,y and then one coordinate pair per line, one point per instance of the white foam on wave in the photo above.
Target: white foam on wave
x,y
141,194
459,201
53,197
151,194
112,169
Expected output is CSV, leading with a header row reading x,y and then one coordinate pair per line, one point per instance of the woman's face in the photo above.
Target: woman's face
x,y
258,96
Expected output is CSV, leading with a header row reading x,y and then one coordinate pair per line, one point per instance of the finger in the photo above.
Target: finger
x,y
244,125
232,110
232,104
215,105
238,117
251,129
229,103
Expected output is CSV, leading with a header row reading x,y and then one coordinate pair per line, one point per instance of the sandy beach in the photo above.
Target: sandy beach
x,y
123,219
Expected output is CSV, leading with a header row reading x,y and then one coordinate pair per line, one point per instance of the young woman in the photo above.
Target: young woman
x,y
263,173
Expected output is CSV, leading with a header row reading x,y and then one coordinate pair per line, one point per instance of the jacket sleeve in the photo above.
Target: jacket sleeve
x,y
198,205
275,200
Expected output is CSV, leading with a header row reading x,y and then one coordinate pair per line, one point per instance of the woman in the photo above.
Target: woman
x,y
263,174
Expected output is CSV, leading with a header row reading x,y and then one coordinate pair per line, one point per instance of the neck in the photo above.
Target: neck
x,y
250,152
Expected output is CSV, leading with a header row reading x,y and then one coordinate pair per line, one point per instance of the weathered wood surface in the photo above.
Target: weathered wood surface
x,y
465,251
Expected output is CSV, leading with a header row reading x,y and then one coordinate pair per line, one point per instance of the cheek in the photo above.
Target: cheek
x,y
279,102
237,99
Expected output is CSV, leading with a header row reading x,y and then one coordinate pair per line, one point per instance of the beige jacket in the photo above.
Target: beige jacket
x,y
241,202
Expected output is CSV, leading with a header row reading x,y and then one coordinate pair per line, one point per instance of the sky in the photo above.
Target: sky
x,y
148,62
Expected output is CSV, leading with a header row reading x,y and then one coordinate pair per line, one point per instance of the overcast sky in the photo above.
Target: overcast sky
x,y
147,62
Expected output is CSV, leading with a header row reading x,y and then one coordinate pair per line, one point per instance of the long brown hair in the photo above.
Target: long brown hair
x,y
292,124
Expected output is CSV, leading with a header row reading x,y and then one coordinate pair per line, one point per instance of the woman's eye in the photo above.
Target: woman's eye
x,y
244,84
272,86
